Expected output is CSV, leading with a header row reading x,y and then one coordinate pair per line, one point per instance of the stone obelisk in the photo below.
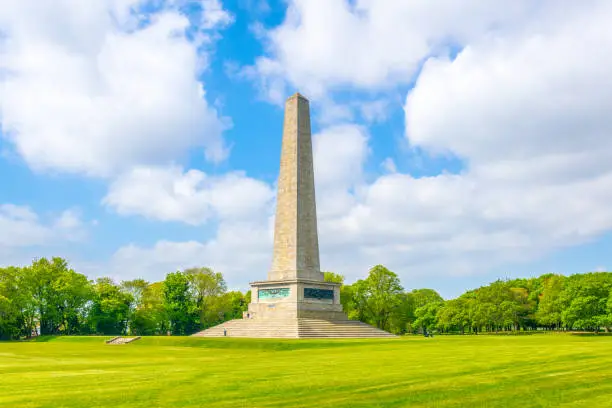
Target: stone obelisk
x,y
295,286
296,244
295,301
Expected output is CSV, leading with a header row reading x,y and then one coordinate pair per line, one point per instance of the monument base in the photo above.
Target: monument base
x,y
295,299
299,308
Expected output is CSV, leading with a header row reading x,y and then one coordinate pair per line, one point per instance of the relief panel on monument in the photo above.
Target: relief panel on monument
x,y
319,294
276,293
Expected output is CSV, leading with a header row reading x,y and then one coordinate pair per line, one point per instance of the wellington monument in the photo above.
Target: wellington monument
x,y
295,301
295,286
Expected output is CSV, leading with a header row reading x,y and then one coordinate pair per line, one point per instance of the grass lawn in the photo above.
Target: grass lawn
x,y
445,371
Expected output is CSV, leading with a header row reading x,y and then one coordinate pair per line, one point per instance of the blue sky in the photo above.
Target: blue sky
x,y
455,145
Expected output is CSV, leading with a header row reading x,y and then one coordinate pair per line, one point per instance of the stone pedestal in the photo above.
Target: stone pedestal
x,y
292,299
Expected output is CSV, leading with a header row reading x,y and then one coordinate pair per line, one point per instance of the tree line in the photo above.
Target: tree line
x,y
49,298
548,302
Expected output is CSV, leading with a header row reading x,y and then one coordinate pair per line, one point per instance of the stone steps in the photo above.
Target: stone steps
x,y
312,328
253,328
294,328
122,340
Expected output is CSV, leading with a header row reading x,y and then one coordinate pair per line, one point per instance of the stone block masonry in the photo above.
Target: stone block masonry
x,y
296,244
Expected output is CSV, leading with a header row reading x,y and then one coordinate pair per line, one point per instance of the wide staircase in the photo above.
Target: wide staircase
x,y
253,328
312,328
294,328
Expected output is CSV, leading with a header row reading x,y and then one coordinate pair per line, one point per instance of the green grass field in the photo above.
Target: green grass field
x,y
445,371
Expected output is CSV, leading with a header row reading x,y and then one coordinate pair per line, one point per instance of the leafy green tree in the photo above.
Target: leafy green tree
x,y
205,283
510,314
584,300
583,313
402,319
406,312
499,306
38,280
381,294
12,322
9,325
333,277
74,293
350,301
181,309
519,308
422,297
57,295
550,307
149,315
608,321
426,316
225,307
205,288
454,315
110,310
237,305
136,288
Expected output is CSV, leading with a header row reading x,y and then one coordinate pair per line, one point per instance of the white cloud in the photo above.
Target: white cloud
x,y
374,111
330,44
213,15
339,154
93,89
169,194
241,251
410,223
389,165
529,113
331,113
542,96
21,227
69,219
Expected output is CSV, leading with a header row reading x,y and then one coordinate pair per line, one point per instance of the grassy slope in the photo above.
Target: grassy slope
x,y
492,371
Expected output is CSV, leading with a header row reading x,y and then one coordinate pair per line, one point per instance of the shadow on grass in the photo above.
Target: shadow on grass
x,y
259,344
223,342
67,339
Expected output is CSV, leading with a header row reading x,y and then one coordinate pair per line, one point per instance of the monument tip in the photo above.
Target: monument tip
x,y
298,95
